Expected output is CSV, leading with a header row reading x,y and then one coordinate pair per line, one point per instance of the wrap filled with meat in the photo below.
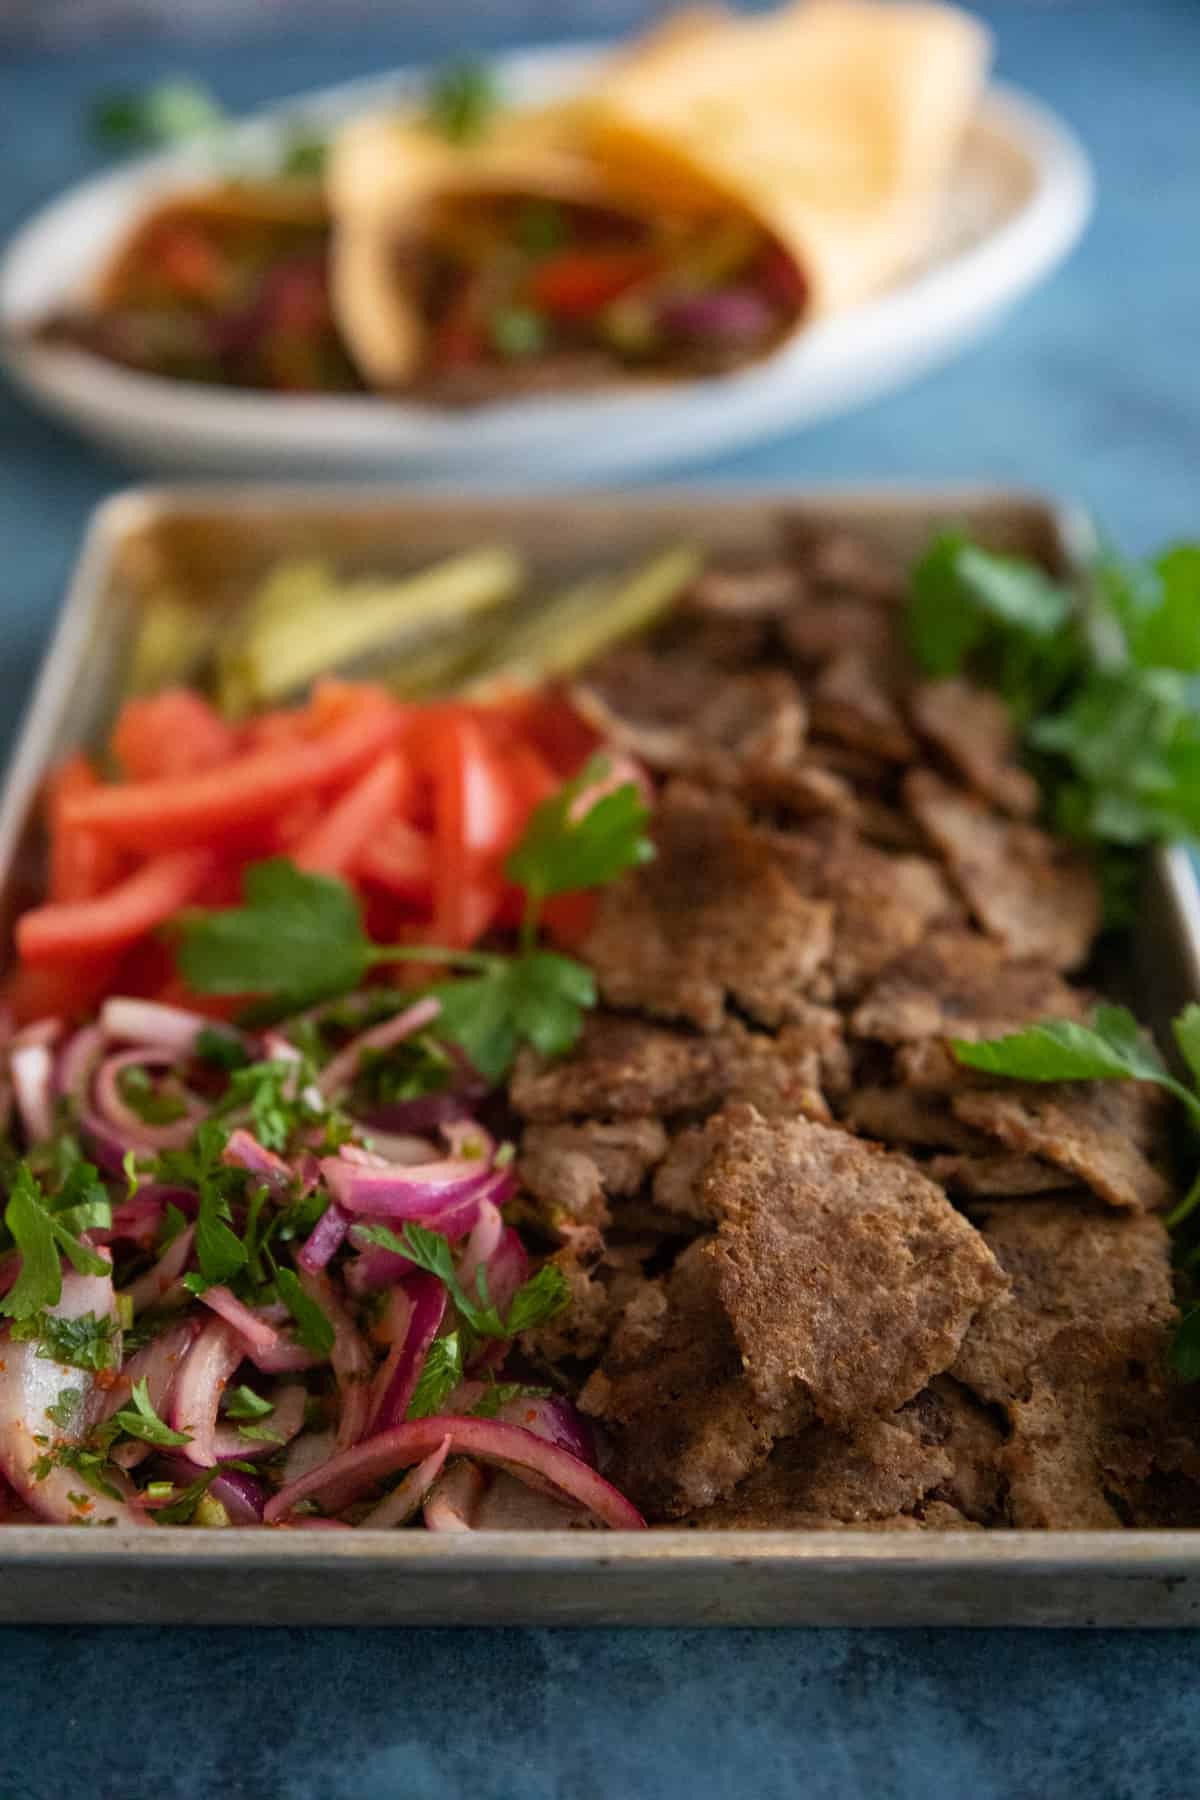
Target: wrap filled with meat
x,y
711,191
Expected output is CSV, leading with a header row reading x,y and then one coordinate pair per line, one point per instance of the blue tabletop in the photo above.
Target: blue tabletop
x,y
1091,390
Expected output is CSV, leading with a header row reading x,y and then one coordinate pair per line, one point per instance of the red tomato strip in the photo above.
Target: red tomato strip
x,y
579,282
82,928
195,809
81,863
173,733
400,859
333,845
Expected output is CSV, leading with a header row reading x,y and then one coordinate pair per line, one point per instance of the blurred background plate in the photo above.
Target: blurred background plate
x,y
1018,201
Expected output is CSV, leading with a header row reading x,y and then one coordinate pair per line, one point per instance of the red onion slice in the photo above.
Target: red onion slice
x,y
554,1418
508,1505
286,1357
245,1152
454,1502
325,1239
157,1364
350,1358
255,1333
285,1422
76,1060
117,1113
404,1502
210,1362
341,1071
150,1022
161,1286
393,1387
32,1069
30,1383
482,1244
419,1191
491,1441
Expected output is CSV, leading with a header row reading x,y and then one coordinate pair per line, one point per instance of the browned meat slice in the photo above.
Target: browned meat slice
x,y
904,1116
973,730
847,1275
843,562
882,904
573,1170
1071,1265
1037,897
758,588
630,1069
622,1068
678,712
961,984
681,1423
713,918
817,631
1100,1132
602,1285
935,1456
1097,1422
850,702
1004,1173
802,791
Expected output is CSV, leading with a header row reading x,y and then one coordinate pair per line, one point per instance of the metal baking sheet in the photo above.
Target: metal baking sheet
x,y
215,543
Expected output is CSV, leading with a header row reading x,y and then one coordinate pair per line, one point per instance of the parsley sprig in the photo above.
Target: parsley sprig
x,y
1112,1047
1096,676
41,1226
299,937
541,1298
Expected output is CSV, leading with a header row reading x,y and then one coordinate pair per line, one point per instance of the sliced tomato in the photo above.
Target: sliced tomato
x,y
77,930
216,803
334,843
577,283
400,859
173,733
531,780
81,863
472,807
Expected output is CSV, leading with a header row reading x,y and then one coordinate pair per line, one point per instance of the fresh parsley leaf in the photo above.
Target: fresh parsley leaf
x,y
1166,635
88,1342
313,1328
40,1234
962,594
261,1434
182,1509
305,157
565,849
540,997
219,1250
440,1375
88,1463
154,1104
298,937
463,101
542,1298
220,1049
276,1094
169,113
141,1420
64,1411
174,1224
244,1403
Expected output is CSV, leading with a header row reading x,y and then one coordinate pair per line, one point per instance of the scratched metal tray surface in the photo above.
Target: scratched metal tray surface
x,y
213,544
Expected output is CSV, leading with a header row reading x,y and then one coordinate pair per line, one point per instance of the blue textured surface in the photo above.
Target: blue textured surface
x,y
1091,390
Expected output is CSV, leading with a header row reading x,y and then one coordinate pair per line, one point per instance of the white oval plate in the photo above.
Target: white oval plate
x,y
1017,203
